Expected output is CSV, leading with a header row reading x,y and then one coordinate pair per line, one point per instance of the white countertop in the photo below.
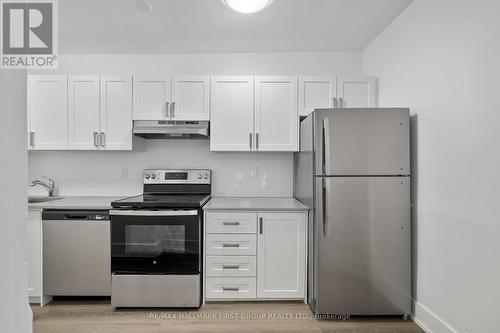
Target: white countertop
x,y
254,203
70,202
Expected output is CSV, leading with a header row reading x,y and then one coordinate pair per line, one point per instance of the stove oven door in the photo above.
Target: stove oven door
x,y
155,241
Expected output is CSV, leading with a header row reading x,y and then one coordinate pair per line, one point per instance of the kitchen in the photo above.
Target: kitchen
x,y
159,134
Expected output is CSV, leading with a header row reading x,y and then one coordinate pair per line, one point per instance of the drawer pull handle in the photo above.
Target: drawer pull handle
x,y
231,223
230,245
230,266
230,288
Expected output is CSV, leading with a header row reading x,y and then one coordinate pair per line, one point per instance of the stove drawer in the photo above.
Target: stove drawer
x,y
231,288
230,266
228,244
235,223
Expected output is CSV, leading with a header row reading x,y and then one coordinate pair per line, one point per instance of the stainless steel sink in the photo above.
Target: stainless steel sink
x,y
43,199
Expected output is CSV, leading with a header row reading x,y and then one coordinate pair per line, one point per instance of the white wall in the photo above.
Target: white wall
x,y
15,313
441,58
99,173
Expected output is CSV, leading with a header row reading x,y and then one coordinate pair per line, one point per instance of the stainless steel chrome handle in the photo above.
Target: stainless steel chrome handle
x,y
256,140
341,101
102,139
327,198
230,245
230,289
152,212
167,109
230,223
326,146
32,139
172,114
335,102
96,139
261,219
230,266
250,141
323,204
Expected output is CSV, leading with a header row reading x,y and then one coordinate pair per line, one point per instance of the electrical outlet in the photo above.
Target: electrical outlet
x,y
254,172
124,172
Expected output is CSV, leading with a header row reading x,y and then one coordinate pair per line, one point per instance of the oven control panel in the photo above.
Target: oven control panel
x,y
187,176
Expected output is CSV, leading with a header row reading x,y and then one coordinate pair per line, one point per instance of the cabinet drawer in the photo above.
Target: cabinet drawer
x,y
245,223
228,244
230,287
230,266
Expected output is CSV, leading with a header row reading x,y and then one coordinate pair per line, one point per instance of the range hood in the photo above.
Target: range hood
x,y
171,129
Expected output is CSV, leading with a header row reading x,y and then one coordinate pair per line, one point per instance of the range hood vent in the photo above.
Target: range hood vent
x,y
171,129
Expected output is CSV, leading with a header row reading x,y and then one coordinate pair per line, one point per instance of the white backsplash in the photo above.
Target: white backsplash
x,y
119,173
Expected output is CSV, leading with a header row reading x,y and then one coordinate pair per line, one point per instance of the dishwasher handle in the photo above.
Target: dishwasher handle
x,y
75,215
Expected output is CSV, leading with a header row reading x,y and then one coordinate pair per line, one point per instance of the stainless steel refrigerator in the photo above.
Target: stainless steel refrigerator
x,y
353,171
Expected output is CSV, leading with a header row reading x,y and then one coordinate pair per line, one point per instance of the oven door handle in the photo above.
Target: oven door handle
x,y
152,212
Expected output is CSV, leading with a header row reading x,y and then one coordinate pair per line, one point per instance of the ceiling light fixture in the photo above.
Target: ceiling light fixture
x,y
144,5
247,6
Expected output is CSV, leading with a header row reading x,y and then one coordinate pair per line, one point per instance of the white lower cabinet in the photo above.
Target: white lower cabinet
x,y
255,255
33,259
230,288
231,266
282,255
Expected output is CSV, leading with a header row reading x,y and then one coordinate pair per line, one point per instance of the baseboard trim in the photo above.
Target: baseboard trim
x,y
429,321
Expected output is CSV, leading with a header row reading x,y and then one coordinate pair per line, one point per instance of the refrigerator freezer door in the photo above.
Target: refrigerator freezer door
x,y
362,244
361,142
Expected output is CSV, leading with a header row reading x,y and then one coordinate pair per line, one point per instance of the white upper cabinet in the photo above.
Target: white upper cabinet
x,y
281,255
150,98
80,112
232,111
276,119
116,113
316,92
357,92
48,111
190,97
254,113
83,111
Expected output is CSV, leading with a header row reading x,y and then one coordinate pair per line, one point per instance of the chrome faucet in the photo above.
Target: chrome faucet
x,y
49,185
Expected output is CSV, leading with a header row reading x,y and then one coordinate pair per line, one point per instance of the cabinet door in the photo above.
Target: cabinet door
x,y
281,255
116,113
48,107
190,97
316,92
276,118
83,111
150,98
34,253
232,104
357,92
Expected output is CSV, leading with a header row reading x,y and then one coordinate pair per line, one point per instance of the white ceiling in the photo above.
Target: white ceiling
x,y
178,26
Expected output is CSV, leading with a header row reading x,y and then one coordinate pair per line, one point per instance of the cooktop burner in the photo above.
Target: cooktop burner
x,y
164,189
163,201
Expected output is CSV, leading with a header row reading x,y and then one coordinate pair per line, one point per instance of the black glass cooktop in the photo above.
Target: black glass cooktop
x,y
162,201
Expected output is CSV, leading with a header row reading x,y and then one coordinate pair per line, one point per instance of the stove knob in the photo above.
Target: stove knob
x,y
153,176
147,176
206,176
200,176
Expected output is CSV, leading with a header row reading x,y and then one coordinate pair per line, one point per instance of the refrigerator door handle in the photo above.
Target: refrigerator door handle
x,y
327,202
323,204
326,146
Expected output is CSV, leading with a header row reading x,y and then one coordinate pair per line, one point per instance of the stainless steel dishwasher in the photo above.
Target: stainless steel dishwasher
x,y
76,253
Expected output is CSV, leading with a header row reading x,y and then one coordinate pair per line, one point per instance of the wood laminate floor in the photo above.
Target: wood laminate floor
x,y
96,316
